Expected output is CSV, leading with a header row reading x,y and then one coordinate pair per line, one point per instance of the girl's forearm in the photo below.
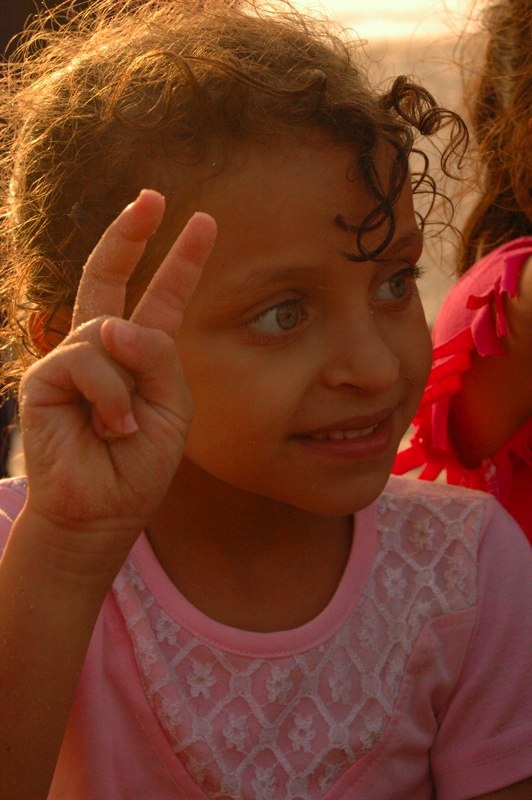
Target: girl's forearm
x,y
47,615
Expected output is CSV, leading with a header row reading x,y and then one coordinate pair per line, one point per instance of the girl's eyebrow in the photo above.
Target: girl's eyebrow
x,y
407,241
269,277
254,280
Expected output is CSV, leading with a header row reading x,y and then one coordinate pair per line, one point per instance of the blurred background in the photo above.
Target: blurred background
x,y
391,19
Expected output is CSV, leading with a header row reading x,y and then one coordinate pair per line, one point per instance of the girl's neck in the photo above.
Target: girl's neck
x,y
244,560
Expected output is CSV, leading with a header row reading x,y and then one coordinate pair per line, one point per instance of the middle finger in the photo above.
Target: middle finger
x,y
102,288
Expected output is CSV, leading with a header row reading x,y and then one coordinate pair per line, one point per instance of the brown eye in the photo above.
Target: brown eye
x,y
287,315
399,286
274,321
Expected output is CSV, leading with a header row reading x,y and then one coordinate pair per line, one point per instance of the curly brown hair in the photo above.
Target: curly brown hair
x,y
499,96
120,96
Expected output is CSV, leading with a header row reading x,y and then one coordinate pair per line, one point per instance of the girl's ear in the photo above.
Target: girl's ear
x,y
47,331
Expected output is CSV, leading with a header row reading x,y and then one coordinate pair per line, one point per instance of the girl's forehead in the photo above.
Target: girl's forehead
x,y
264,190
283,212
294,175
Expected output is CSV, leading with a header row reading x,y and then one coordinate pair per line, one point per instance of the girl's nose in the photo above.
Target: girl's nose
x,y
360,356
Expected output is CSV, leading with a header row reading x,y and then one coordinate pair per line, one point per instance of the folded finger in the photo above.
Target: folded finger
x,y
79,374
151,357
103,284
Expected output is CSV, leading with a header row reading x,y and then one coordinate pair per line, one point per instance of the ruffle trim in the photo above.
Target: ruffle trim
x,y
486,332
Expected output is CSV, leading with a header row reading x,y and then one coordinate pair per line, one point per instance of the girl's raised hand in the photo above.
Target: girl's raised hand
x,y
104,417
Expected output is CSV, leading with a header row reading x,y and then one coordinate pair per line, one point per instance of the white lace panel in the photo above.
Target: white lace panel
x,y
260,729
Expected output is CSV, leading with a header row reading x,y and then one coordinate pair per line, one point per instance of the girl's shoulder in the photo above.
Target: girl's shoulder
x,y
12,498
410,504
487,313
418,516
475,304
12,495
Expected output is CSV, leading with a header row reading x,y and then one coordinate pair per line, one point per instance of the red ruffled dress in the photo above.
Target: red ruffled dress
x,y
465,324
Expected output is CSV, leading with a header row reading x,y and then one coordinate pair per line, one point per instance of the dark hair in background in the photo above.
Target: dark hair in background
x,y
144,93
14,14
499,99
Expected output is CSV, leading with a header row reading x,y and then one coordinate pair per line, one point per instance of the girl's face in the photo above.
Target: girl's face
x,y
305,368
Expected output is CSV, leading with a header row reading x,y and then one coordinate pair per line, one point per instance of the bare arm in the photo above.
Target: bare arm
x,y
105,404
46,620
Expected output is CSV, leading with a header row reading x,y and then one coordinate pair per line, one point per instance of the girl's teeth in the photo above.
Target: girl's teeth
x,y
337,436
358,434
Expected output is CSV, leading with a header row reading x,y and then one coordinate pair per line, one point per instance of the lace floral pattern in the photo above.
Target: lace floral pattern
x,y
257,729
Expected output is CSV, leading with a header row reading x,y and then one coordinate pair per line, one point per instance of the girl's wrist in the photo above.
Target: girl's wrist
x,y
80,559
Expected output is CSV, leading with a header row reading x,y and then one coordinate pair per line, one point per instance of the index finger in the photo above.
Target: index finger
x,y
162,304
102,288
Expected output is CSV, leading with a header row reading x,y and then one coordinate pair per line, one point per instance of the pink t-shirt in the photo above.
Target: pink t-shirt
x,y
414,682
472,319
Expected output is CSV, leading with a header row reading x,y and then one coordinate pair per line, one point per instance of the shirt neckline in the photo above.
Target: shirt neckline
x,y
268,645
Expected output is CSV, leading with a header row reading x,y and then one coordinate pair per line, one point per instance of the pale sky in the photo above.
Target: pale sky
x,y
396,18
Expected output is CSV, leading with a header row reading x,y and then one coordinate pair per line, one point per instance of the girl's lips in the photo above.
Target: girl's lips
x,y
339,435
352,442
351,427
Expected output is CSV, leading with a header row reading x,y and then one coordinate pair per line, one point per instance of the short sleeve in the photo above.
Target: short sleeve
x,y
485,730
12,497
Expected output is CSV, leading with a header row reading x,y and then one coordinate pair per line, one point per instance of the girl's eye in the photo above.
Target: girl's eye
x,y
399,286
279,319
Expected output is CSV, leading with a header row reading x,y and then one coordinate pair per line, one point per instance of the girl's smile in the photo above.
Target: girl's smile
x,y
358,439
305,368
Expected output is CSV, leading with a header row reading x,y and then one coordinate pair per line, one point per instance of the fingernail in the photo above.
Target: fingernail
x,y
129,424
132,204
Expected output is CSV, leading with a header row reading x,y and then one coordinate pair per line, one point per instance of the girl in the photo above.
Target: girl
x,y
210,589
474,420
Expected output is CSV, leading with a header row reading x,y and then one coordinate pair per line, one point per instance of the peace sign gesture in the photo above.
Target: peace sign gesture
x,y
104,417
